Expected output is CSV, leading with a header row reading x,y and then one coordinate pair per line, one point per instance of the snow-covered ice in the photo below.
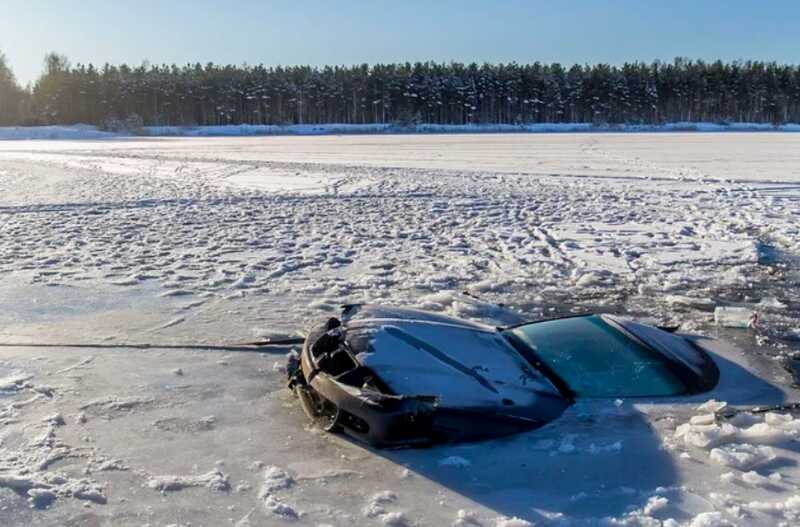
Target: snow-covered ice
x,y
228,240
244,130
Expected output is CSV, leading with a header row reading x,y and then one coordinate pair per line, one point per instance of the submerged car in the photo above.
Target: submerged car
x,y
398,377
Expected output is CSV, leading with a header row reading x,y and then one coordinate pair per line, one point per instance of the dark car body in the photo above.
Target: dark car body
x,y
394,376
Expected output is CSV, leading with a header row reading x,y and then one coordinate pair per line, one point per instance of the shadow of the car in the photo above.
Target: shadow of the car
x,y
742,376
580,466
597,460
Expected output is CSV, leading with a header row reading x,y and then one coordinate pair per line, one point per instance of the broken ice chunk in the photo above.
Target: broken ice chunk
x,y
712,406
735,317
703,419
742,456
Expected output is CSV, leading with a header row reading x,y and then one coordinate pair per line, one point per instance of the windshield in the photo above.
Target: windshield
x,y
597,360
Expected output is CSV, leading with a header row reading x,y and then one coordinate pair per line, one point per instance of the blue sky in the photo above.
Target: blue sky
x,y
356,31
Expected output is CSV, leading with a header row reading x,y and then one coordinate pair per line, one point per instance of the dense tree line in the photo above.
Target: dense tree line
x,y
454,93
14,100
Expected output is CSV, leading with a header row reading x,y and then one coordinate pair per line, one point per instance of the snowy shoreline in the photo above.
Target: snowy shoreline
x,y
82,131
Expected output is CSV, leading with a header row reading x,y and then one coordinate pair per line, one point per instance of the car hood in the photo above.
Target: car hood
x,y
464,365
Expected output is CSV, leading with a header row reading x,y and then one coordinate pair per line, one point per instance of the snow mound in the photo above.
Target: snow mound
x,y
789,507
704,431
742,456
87,132
427,128
14,382
214,480
376,507
108,405
395,519
77,131
706,436
42,488
710,519
280,508
465,518
276,480
754,478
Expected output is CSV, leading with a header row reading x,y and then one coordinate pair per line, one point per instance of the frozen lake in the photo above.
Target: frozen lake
x,y
223,240
740,156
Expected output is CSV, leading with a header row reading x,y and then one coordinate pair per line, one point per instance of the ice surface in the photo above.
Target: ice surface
x,y
210,241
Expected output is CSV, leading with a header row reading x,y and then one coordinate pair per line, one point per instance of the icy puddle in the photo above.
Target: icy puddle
x,y
220,241
52,302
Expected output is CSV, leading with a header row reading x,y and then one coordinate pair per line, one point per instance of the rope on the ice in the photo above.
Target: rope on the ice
x,y
242,346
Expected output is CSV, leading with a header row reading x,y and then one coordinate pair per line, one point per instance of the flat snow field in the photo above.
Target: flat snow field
x,y
225,240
